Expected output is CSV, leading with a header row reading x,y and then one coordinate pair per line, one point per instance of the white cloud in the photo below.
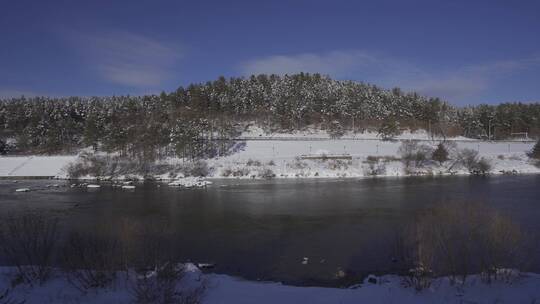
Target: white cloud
x,y
126,58
460,83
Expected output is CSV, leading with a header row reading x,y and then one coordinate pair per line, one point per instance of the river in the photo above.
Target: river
x,y
303,232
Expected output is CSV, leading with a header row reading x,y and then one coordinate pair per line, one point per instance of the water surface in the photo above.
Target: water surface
x,y
264,229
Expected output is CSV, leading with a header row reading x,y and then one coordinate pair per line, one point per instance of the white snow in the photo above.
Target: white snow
x,y
388,290
51,166
91,186
227,289
190,182
23,190
278,154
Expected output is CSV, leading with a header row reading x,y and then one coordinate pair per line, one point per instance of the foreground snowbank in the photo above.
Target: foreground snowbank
x,y
227,289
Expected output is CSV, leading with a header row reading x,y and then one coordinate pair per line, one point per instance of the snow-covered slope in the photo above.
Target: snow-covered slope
x,y
279,154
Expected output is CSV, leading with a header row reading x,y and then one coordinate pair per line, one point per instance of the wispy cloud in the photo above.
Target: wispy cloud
x,y
455,84
468,81
13,93
126,58
334,63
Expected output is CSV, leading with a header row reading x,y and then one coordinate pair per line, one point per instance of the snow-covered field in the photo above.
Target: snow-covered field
x,y
226,289
23,166
279,155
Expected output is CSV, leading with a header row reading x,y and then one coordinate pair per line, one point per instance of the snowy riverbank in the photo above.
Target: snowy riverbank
x,y
271,156
226,289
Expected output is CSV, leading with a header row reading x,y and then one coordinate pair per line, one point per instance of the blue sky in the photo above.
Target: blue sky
x,y
466,52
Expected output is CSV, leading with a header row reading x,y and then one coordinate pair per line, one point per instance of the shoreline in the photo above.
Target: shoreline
x,y
289,178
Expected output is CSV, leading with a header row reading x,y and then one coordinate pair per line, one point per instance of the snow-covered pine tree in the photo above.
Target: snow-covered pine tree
x,y
535,152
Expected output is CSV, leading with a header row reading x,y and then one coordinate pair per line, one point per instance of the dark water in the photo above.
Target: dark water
x,y
264,229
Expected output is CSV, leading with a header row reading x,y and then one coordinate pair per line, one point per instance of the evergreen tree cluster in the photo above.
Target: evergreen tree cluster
x,y
189,121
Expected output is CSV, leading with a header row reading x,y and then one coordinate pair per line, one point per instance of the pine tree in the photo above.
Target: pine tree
x,y
389,129
535,152
440,154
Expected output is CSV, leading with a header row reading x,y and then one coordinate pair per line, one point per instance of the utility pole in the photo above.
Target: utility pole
x,y
489,129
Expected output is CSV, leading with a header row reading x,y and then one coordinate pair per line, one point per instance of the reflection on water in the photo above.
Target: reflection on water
x,y
266,229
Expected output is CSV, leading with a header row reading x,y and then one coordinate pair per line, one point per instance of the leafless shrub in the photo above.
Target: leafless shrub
x,y
28,242
90,261
414,258
514,157
239,172
298,163
501,243
500,156
418,277
457,239
226,172
374,167
144,247
98,165
155,276
271,163
483,166
199,168
468,158
157,286
413,154
337,164
452,148
5,298
89,164
76,170
163,285
254,163
267,173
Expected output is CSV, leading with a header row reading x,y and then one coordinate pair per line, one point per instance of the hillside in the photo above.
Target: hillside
x,y
198,121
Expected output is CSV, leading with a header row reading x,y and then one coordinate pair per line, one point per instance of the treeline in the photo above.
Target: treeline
x,y
189,121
